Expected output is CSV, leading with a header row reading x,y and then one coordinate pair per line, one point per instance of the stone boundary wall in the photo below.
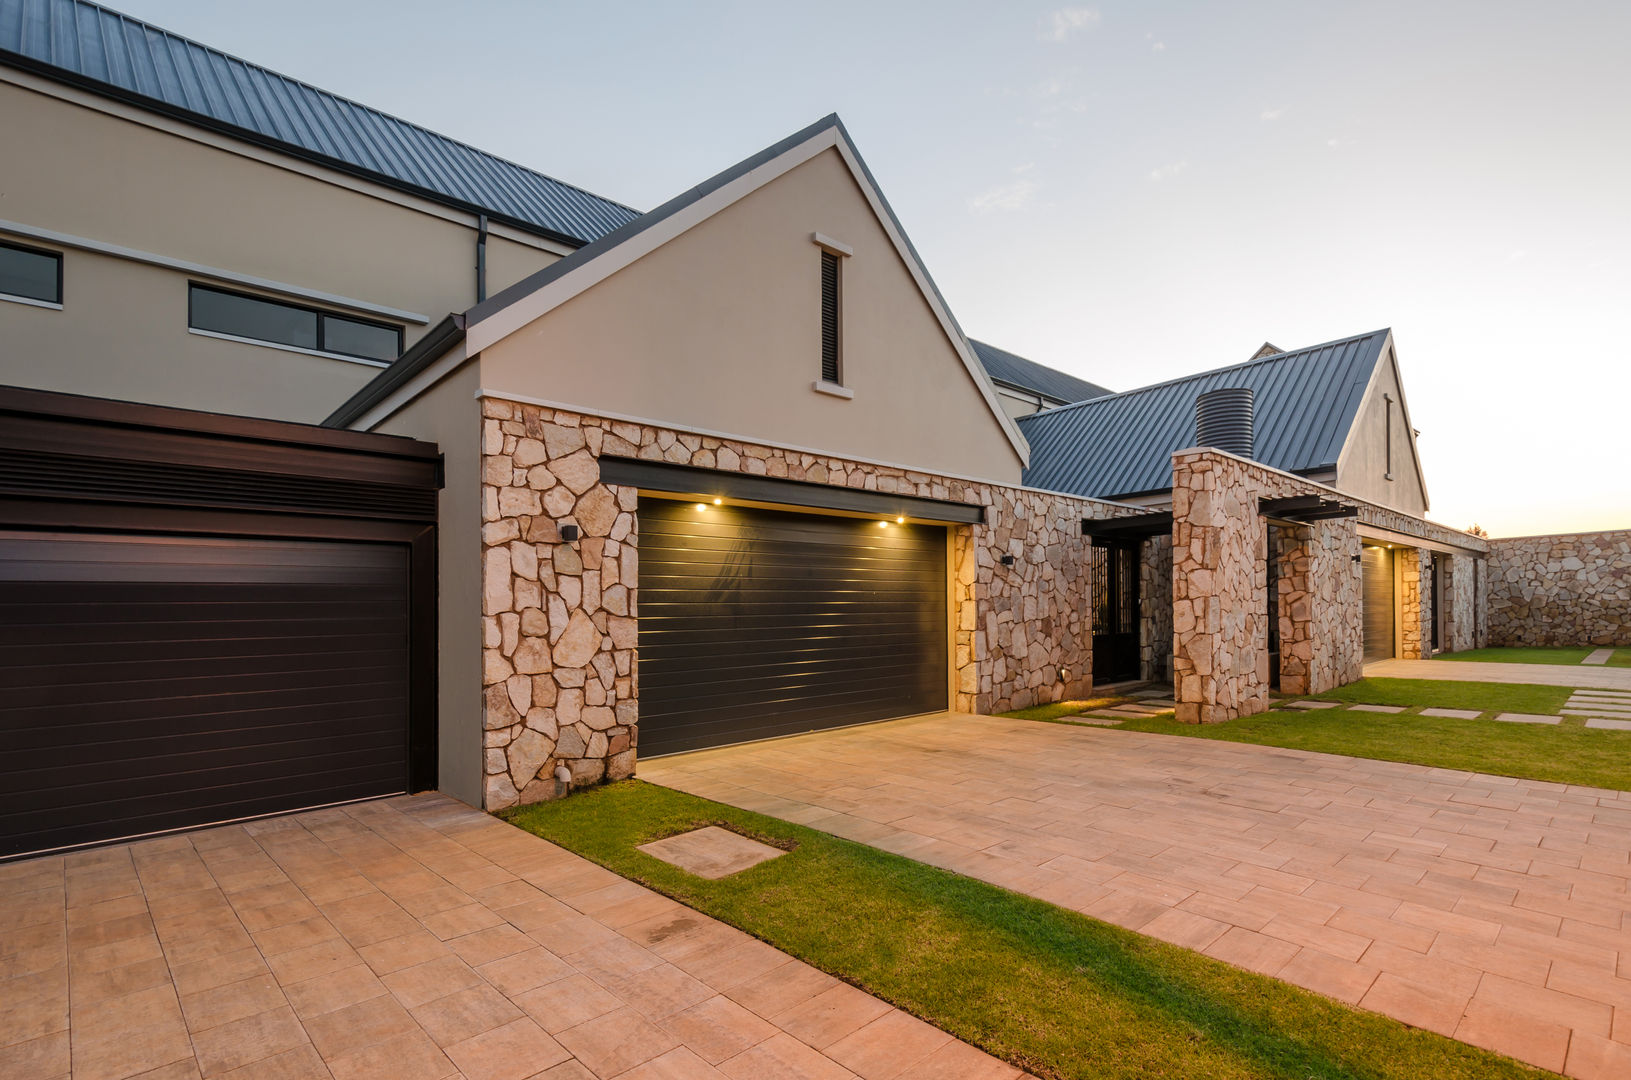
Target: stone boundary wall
x,y
1155,609
1220,617
1571,589
560,621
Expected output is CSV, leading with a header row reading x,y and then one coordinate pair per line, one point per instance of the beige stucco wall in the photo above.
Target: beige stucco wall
x,y
123,328
719,330
450,416
1362,469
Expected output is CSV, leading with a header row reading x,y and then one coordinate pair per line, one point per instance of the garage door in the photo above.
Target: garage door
x,y
152,683
756,623
1378,570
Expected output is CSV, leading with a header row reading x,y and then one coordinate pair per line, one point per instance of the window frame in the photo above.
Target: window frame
x,y
319,314
34,301
837,251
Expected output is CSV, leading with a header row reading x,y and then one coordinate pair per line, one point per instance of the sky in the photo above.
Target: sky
x,y
1129,192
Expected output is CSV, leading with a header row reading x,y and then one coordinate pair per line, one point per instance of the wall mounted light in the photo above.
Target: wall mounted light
x,y
701,507
883,524
569,534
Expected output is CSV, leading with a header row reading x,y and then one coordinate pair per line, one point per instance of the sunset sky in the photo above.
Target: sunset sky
x,y
1126,191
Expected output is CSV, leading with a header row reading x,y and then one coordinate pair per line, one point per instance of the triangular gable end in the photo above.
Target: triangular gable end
x,y
1387,362
528,300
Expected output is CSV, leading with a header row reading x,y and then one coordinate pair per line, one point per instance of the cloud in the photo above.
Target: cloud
x,y
1064,22
1167,172
1014,195
1272,114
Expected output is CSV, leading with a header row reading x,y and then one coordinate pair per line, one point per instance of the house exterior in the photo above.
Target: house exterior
x,y
550,484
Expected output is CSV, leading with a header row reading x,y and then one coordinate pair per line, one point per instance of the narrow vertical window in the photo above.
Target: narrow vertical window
x,y
829,318
1388,473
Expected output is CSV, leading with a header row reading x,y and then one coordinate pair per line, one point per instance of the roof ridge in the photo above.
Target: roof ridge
x,y
172,35
1276,358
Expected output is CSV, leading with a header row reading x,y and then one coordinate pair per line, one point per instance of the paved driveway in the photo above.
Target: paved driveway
x,y
1486,908
410,939
1581,676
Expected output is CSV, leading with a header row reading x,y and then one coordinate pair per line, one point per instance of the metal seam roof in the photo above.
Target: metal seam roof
x,y
1016,370
1122,444
109,52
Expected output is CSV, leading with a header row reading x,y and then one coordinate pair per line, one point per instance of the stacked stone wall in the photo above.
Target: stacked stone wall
x,y
560,620
1571,589
1155,609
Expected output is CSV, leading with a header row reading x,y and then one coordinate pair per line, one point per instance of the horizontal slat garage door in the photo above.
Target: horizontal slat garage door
x,y
152,683
755,623
1378,569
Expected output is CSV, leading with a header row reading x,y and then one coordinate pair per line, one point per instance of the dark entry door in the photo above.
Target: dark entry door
x,y
159,682
1272,563
1115,612
756,623
1378,589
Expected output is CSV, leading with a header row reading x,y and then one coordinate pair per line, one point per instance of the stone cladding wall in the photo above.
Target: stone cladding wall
x,y
1415,568
1220,547
1155,609
560,620
1571,589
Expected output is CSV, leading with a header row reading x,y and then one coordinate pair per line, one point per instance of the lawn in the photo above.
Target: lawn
x,y
1052,991
1566,753
1620,657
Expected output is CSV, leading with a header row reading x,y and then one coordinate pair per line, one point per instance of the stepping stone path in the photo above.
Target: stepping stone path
x,y
1453,714
1152,705
1612,725
1376,708
711,852
1528,718
1613,707
1598,656
1310,704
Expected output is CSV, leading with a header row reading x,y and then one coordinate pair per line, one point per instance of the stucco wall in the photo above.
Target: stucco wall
x,y
1571,589
1362,470
123,331
560,678
719,330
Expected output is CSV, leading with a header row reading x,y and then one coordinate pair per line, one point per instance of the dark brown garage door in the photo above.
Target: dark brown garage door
x,y
156,682
1378,569
756,623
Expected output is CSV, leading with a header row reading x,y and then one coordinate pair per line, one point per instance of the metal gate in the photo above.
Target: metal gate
x,y
1114,580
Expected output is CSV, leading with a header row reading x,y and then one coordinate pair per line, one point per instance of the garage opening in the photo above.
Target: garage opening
x,y
184,644
1377,563
772,607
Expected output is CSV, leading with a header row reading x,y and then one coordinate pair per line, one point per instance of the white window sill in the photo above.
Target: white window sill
x,y
289,348
822,386
29,301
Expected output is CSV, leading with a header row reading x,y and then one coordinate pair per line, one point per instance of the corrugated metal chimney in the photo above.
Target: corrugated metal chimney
x,y
1223,420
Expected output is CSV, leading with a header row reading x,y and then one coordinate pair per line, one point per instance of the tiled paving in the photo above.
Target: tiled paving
x,y
411,939
1598,656
1600,678
1482,907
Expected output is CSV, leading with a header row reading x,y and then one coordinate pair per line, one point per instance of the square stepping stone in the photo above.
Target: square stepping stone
x,y
1610,725
1309,704
1598,656
1376,708
1594,710
1527,718
1454,714
1096,720
711,852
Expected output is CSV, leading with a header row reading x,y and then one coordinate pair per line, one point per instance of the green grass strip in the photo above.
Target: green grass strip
x,y
1052,991
1515,655
1566,753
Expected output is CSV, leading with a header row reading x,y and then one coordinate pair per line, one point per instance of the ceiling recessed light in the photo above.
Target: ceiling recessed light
x,y
700,506
900,521
883,524
719,502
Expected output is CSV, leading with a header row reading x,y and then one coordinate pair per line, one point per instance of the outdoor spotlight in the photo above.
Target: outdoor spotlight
x,y
900,521
719,502
569,533
701,507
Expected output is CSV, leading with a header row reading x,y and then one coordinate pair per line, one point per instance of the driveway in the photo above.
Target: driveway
x,y
1486,908
410,939
1584,677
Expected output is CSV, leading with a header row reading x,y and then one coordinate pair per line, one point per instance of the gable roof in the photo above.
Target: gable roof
x,y
94,48
1304,405
506,312
1006,367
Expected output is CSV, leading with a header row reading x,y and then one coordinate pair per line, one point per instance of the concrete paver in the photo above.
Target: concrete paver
x,y
1528,718
411,939
1598,656
1489,909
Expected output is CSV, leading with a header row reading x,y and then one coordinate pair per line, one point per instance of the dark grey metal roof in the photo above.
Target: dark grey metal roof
x,y
102,50
1004,367
1305,402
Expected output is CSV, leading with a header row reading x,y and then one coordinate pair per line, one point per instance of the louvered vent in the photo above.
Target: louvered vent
x,y
34,473
829,317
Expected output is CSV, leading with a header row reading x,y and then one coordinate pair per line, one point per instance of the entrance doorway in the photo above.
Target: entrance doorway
x,y
1114,581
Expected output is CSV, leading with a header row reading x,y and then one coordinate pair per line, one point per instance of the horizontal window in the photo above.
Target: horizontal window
x,y
256,317
31,274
